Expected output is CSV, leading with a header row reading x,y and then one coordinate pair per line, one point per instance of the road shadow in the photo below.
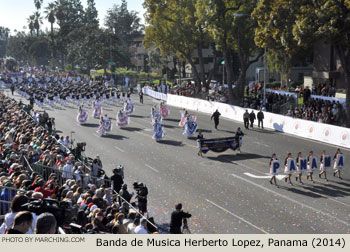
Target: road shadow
x,y
238,157
130,129
171,142
169,126
338,183
294,189
205,130
192,138
171,120
70,107
228,131
90,125
115,137
138,116
322,189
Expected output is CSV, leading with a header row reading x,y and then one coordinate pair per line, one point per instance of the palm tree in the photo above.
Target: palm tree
x,y
38,4
38,20
31,21
50,12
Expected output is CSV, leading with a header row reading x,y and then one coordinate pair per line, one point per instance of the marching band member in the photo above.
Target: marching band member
x,y
122,119
83,115
273,158
336,167
184,114
105,125
190,126
118,97
322,166
158,132
286,169
309,166
299,171
163,109
97,108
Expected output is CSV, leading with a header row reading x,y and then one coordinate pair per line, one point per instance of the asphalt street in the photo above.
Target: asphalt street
x,y
225,192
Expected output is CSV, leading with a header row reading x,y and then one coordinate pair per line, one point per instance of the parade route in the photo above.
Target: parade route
x,y
215,188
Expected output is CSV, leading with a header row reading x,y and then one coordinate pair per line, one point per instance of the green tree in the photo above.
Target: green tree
x,y
37,22
327,20
125,25
31,21
91,13
38,4
232,29
50,15
4,35
275,32
166,33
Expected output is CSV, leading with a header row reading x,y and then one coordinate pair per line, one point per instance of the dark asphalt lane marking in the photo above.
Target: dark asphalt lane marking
x,y
238,217
153,169
346,223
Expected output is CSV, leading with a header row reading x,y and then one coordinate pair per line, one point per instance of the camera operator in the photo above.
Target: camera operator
x,y
79,149
176,219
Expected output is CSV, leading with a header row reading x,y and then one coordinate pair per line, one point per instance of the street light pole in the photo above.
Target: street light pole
x,y
265,77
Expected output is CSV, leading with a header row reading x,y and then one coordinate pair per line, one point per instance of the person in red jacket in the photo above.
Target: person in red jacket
x,y
45,189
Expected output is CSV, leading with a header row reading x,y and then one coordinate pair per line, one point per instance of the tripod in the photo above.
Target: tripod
x,y
185,228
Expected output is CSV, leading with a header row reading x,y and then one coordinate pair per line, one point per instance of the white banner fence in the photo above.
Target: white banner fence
x,y
325,133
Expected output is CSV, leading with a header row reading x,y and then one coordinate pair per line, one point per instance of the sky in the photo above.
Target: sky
x,y
14,13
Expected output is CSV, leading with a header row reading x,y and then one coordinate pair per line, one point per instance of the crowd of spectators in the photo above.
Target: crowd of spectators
x,y
39,172
314,109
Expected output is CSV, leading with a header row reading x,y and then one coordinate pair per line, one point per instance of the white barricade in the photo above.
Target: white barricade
x,y
326,133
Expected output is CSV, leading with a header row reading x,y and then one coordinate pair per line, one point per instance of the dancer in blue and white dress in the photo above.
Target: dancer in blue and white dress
x,y
122,119
156,115
105,126
97,108
163,109
190,126
184,114
158,131
83,115
128,107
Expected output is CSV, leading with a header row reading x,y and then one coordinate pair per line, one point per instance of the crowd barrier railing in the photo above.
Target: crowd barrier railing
x,y
326,133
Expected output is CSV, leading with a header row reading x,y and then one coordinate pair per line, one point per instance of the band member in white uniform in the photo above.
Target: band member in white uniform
x,y
322,166
337,168
273,158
